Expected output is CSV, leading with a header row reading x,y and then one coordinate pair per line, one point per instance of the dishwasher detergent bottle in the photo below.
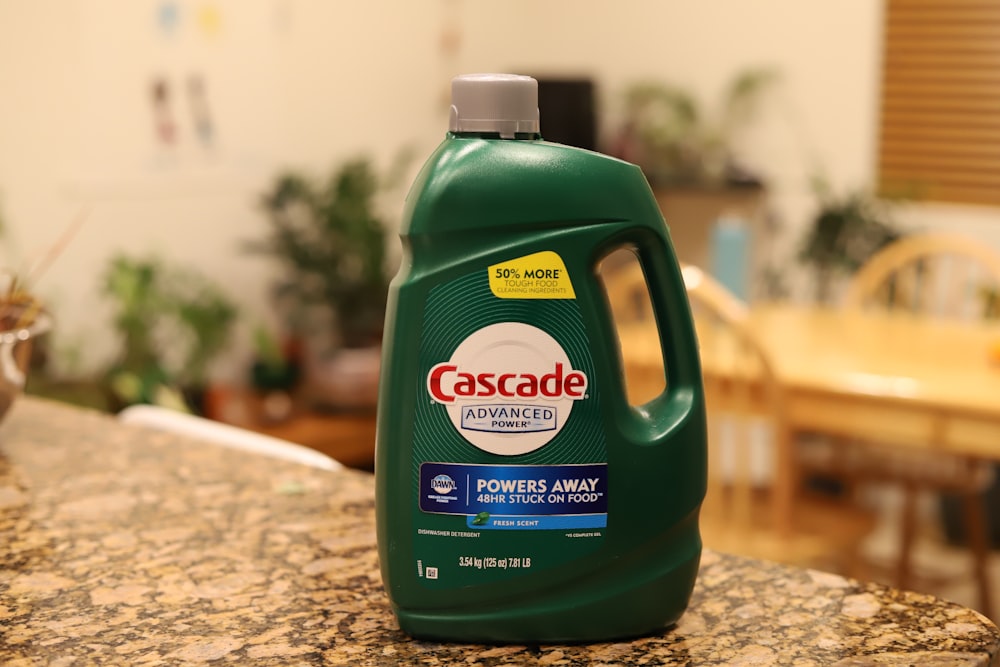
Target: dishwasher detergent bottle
x,y
519,496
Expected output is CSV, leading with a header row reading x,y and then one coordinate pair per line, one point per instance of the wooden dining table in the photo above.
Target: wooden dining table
x,y
902,380
907,385
894,379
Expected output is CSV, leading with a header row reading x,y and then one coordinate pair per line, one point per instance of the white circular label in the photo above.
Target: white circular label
x,y
508,388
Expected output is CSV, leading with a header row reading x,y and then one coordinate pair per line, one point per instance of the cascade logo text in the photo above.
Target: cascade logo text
x,y
447,381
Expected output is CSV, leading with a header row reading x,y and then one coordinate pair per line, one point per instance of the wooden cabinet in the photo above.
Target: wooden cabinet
x,y
348,437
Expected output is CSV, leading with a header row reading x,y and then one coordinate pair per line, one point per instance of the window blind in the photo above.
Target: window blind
x,y
940,121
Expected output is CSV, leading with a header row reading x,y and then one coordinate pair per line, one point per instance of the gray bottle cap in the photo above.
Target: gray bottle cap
x,y
504,103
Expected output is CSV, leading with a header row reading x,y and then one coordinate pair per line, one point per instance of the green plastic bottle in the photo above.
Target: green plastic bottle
x,y
520,498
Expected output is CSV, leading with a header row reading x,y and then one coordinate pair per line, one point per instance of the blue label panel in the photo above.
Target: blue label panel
x,y
544,490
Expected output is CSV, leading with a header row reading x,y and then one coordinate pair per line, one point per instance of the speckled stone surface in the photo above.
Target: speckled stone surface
x,y
123,546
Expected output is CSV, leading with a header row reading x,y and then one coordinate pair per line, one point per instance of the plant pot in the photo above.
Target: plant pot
x,y
346,381
15,354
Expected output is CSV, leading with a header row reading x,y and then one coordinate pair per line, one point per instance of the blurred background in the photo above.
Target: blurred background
x,y
163,123
205,194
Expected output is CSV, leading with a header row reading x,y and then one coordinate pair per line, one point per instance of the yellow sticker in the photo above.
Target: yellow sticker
x,y
541,275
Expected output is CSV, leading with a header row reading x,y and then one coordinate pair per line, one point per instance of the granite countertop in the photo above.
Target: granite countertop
x,y
124,546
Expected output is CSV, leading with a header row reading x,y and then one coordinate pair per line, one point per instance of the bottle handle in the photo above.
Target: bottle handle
x,y
671,311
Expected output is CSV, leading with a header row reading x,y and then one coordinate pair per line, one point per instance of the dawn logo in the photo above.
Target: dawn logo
x,y
443,484
508,388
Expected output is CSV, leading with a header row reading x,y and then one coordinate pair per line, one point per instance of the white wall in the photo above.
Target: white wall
x,y
308,83
823,115
302,84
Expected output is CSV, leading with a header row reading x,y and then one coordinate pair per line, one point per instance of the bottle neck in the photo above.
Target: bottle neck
x,y
520,136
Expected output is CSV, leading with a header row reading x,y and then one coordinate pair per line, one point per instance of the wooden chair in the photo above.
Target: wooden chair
x,y
931,275
925,275
755,505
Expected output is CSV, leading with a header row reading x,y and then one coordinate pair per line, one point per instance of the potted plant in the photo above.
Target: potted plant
x,y
274,374
677,142
273,368
207,316
162,310
330,240
137,375
846,230
22,321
